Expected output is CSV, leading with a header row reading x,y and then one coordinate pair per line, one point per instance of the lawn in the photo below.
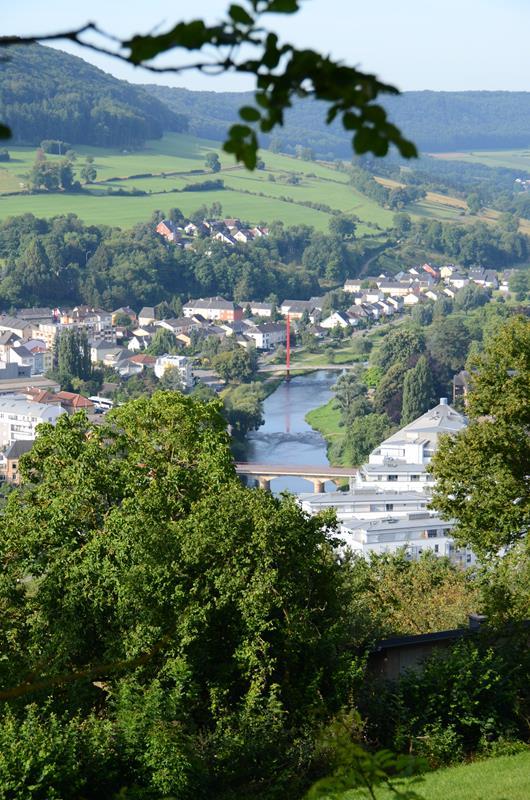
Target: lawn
x,y
502,778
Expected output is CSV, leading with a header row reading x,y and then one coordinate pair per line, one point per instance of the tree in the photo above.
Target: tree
x,y
364,434
405,596
448,342
471,296
399,347
244,408
473,203
519,285
235,365
171,380
347,389
168,622
88,171
342,225
418,391
212,162
349,93
163,341
74,356
482,473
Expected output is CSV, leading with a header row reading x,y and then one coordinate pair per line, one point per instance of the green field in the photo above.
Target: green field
x,y
177,160
502,778
513,159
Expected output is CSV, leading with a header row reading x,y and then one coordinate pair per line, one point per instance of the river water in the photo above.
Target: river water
x,y
286,438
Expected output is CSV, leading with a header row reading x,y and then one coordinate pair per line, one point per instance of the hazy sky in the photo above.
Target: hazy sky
x,y
415,44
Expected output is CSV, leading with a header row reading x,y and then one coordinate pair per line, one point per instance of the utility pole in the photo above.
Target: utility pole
x,y
288,348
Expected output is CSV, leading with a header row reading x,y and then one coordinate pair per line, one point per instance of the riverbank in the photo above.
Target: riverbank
x,y
326,420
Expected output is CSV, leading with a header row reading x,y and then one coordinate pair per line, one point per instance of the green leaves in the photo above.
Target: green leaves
x,y
240,16
243,143
5,132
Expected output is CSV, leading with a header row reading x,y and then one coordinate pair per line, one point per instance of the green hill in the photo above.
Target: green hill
x,y
436,121
48,94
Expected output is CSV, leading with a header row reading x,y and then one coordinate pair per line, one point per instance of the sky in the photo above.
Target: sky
x,y
414,44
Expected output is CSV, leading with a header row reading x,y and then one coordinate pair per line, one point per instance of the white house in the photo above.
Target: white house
x,y
338,318
419,532
19,418
400,462
268,335
352,285
181,363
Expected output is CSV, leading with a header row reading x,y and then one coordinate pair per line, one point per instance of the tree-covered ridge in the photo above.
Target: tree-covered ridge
x,y
435,121
47,94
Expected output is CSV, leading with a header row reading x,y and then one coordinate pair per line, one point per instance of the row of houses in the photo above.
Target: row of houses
x,y
227,231
388,506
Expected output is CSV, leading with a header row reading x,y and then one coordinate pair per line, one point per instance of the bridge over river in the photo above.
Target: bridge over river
x,y
318,475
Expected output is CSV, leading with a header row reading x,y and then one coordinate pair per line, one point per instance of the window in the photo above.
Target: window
x,y
432,534
389,507
436,548
392,477
414,477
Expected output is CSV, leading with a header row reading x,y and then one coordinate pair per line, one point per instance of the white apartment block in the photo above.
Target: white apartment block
x,y
181,363
19,418
388,506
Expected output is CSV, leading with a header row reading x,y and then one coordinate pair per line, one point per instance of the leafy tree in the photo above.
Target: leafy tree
x,y
418,391
237,364
474,203
346,390
74,355
422,314
342,225
388,396
399,347
168,609
405,596
163,341
448,342
364,434
482,473
519,285
171,380
88,171
471,296
122,319
402,223
212,162
244,408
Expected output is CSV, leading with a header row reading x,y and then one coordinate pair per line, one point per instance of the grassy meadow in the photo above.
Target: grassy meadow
x,y
513,159
176,161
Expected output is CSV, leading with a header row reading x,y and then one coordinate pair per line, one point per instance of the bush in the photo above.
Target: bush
x,y
440,745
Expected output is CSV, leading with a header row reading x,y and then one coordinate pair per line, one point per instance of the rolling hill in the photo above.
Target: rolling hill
x,y
48,94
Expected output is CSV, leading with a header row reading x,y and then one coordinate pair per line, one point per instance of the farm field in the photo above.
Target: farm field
x,y
514,159
502,778
177,160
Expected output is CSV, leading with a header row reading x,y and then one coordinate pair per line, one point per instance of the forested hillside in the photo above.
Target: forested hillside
x,y
435,121
47,94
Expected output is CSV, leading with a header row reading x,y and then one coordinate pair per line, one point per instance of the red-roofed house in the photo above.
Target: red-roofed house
x,y
72,402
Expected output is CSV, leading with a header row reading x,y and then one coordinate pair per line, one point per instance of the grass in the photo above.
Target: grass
x,y
502,778
175,161
513,159
326,420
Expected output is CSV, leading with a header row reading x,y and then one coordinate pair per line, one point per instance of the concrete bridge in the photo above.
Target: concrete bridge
x,y
318,475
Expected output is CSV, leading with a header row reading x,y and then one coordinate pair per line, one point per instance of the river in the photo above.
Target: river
x,y
286,438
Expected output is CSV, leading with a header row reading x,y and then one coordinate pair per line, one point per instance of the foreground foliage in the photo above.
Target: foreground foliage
x,y
194,631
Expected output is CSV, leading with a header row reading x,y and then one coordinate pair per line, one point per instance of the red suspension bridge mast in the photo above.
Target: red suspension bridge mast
x,y
288,347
